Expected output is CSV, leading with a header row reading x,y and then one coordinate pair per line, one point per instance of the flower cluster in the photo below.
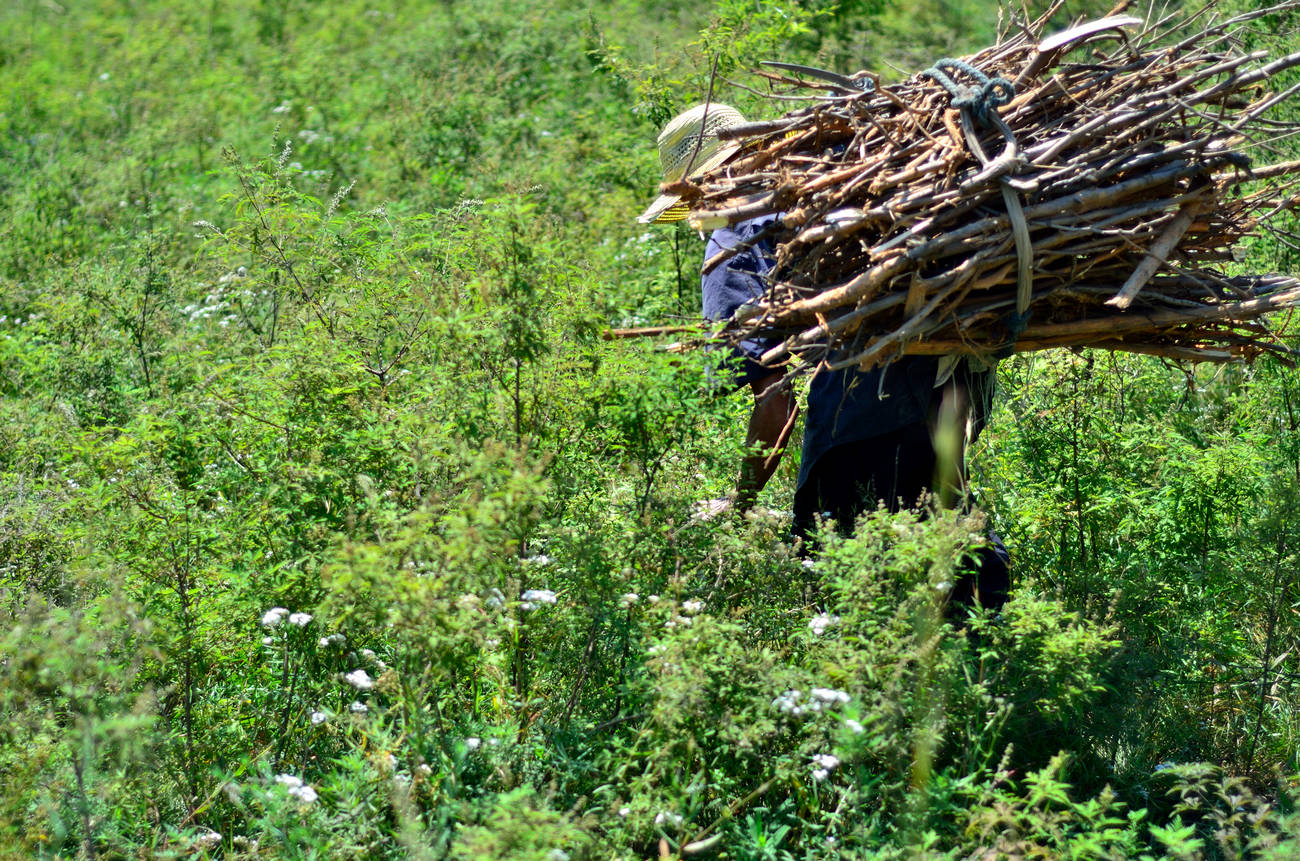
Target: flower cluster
x,y
296,788
533,598
360,680
274,616
823,765
823,621
793,702
829,696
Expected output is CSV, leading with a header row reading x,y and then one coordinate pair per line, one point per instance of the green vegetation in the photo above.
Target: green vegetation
x,y
330,527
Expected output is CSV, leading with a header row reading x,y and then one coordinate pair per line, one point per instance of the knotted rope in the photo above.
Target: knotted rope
x,y
991,94
981,103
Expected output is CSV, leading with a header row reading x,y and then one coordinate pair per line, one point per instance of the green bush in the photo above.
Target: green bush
x,y
330,526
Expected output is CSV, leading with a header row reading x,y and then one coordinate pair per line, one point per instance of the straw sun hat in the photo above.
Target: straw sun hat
x,y
690,142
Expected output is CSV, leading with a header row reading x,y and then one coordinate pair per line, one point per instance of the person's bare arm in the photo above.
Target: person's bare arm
x,y
769,429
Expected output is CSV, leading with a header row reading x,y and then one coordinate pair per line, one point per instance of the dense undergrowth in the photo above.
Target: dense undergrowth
x,y
330,527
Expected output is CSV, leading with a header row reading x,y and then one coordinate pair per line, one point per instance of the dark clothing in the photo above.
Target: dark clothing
x,y
737,281
850,406
843,406
895,469
868,436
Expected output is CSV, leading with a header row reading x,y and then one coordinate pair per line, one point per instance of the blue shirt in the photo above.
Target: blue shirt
x,y
740,279
843,406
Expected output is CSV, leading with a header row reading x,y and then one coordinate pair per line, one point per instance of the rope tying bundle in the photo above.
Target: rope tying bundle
x,y
991,94
982,103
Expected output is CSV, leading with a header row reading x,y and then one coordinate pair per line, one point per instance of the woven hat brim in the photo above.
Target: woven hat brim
x,y
667,208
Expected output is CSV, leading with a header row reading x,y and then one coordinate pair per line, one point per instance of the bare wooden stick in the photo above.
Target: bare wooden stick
x,y
1156,255
648,332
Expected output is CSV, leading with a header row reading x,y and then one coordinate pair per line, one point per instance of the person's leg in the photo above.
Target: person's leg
x,y
897,469
985,579
960,415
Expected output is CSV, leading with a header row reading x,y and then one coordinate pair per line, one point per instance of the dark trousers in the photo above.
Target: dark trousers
x,y
895,469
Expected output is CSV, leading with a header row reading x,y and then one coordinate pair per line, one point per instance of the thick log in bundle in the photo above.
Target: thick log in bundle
x,y
1086,189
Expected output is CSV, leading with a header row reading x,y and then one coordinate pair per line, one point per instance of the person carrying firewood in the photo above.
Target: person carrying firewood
x,y
894,436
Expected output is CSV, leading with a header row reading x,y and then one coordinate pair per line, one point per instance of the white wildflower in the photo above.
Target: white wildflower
x,y
854,726
360,680
368,654
495,600
358,708
823,765
273,617
829,696
424,768
692,607
299,619
629,599
538,596
538,559
208,838
788,703
318,718
473,742
289,780
624,811
282,108
104,76
305,794
668,817
823,621
557,855
268,641
653,599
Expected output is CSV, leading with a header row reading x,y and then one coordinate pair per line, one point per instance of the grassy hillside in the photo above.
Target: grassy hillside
x,y
331,528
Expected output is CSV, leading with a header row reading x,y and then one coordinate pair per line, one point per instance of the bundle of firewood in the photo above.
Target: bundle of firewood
x,y
1091,188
